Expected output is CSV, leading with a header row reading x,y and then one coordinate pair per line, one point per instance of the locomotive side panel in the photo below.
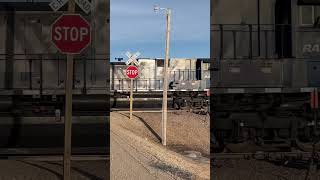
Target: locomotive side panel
x,y
245,73
245,11
205,75
242,17
306,43
100,46
2,49
2,34
296,43
159,63
118,76
299,74
182,69
147,77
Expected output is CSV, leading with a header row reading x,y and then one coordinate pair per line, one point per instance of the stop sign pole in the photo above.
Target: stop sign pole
x,y
132,74
68,110
131,97
70,34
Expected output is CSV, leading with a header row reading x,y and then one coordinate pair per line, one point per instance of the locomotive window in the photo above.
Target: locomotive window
x,y
306,15
308,2
160,63
316,11
309,14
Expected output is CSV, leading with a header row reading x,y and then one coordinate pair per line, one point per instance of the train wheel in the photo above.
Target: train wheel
x,y
176,106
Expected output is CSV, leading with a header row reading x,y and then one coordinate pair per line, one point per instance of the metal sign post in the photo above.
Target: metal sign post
x,y
132,72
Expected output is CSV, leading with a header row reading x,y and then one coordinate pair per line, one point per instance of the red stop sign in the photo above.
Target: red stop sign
x,y
71,33
132,72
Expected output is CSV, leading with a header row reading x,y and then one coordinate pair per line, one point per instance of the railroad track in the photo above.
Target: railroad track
x,y
262,155
149,110
41,157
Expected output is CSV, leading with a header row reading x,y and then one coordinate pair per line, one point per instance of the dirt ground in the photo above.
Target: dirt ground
x,y
52,170
140,139
185,131
259,170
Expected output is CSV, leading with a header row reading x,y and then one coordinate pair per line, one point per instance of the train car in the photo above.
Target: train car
x,y
187,78
265,71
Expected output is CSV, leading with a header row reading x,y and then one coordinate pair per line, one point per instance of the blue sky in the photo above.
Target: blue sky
x,y
136,27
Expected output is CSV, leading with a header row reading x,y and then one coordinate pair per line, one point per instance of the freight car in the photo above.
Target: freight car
x,y
188,82
265,71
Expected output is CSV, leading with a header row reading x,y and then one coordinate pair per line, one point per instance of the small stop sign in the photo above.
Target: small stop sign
x,y
132,72
71,33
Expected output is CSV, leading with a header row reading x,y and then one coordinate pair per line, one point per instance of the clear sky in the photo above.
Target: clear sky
x,y
136,27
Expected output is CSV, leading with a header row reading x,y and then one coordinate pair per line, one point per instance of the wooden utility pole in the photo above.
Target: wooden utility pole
x,y
68,110
165,81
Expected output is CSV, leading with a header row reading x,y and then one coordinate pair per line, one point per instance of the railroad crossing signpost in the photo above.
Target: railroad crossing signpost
x,y
71,34
57,4
133,58
85,5
132,72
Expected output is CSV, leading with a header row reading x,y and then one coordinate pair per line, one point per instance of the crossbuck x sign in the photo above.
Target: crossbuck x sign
x,y
132,58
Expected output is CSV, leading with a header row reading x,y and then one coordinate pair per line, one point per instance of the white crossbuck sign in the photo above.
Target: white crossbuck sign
x,y
57,4
132,58
85,5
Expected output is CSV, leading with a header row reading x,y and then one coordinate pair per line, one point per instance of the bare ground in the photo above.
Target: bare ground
x,y
185,131
52,170
142,136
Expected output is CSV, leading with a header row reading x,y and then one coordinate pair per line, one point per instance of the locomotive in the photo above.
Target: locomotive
x,y
32,80
189,81
33,72
265,74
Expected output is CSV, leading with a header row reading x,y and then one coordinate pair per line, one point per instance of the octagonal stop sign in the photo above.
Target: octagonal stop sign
x,y
132,72
71,33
